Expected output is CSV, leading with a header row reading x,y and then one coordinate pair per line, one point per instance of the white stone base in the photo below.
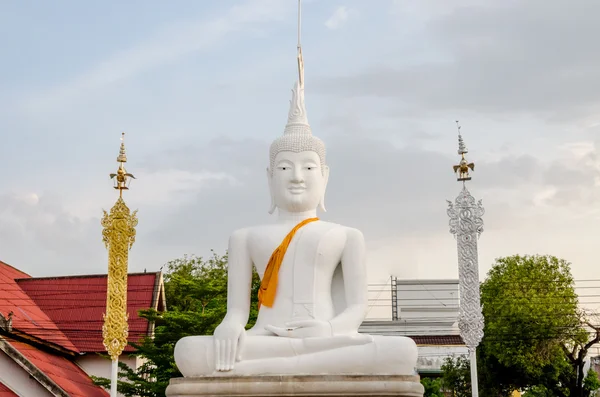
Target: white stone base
x,y
297,386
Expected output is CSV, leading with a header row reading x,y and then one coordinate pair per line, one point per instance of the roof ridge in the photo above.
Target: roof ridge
x,y
14,268
84,276
77,301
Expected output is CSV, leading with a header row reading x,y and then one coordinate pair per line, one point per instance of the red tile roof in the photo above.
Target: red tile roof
x,y
76,305
65,314
66,374
6,392
437,340
27,316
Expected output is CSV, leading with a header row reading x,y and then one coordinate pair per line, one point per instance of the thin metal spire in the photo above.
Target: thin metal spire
x,y
299,22
462,168
122,175
300,59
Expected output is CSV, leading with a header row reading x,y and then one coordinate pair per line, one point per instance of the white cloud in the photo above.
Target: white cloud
x,y
541,197
340,16
29,198
492,59
211,190
175,186
578,150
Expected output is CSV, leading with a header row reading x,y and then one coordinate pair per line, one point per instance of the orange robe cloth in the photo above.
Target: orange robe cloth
x,y
268,285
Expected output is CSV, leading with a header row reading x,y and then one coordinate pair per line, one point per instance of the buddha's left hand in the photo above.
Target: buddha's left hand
x,y
303,329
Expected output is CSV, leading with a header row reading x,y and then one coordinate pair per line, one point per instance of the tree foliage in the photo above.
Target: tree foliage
x,y
456,376
535,336
433,387
196,295
591,383
538,391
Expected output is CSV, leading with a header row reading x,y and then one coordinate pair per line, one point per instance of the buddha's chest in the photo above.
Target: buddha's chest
x,y
309,262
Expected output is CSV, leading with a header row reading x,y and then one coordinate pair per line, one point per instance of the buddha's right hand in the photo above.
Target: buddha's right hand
x,y
229,340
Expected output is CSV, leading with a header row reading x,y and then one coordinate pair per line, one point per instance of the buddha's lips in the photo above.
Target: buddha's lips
x,y
297,189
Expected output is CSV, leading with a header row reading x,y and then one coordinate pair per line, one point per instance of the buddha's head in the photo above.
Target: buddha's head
x,y
297,173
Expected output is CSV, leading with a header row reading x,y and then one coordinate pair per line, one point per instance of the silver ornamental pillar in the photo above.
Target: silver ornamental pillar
x,y
466,224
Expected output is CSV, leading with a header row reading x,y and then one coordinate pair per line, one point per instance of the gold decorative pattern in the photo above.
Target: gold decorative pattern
x,y
118,235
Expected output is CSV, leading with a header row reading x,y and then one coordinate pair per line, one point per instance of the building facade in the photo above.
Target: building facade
x,y
427,312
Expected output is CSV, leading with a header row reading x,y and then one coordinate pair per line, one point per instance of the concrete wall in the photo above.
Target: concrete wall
x,y
18,380
427,301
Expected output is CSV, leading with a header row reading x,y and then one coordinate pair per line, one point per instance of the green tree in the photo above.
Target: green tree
x,y
534,336
538,391
196,295
576,351
456,376
432,387
591,383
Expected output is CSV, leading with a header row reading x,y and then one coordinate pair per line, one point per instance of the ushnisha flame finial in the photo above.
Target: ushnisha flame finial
x,y
462,169
297,118
122,174
297,136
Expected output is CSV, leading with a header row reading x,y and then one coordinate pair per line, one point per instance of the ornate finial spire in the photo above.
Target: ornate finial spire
x,y
462,149
118,235
122,174
466,224
463,167
122,158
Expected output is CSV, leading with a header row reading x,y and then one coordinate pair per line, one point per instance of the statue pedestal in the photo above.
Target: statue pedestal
x,y
297,386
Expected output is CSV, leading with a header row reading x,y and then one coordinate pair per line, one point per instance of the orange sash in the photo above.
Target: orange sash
x,y
268,286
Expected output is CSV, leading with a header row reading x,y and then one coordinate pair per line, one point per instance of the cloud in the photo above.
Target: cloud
x,y
340,16
176,185
39,235
519,58
395,195
509,63
170,43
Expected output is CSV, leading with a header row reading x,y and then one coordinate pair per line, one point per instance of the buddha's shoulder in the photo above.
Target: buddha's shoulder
x,y
336,227
320,227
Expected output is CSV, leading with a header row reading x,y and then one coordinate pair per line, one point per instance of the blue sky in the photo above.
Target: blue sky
x,y
201,88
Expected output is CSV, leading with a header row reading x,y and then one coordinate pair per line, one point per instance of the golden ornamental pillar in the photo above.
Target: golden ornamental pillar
x,y
118,235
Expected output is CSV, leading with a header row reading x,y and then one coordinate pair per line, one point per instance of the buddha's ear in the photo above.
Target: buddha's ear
x,y
325,180
273,206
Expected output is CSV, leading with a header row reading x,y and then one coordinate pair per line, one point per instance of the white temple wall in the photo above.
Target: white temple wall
x,y
431,358
18,380
95,365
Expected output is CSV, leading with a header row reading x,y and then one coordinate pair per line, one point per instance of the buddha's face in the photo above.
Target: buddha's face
x,y
297,181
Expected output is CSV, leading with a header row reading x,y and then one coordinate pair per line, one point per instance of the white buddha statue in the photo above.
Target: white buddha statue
x,y
314,299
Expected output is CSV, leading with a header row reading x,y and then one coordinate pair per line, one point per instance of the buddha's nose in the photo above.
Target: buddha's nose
x,y
297,177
